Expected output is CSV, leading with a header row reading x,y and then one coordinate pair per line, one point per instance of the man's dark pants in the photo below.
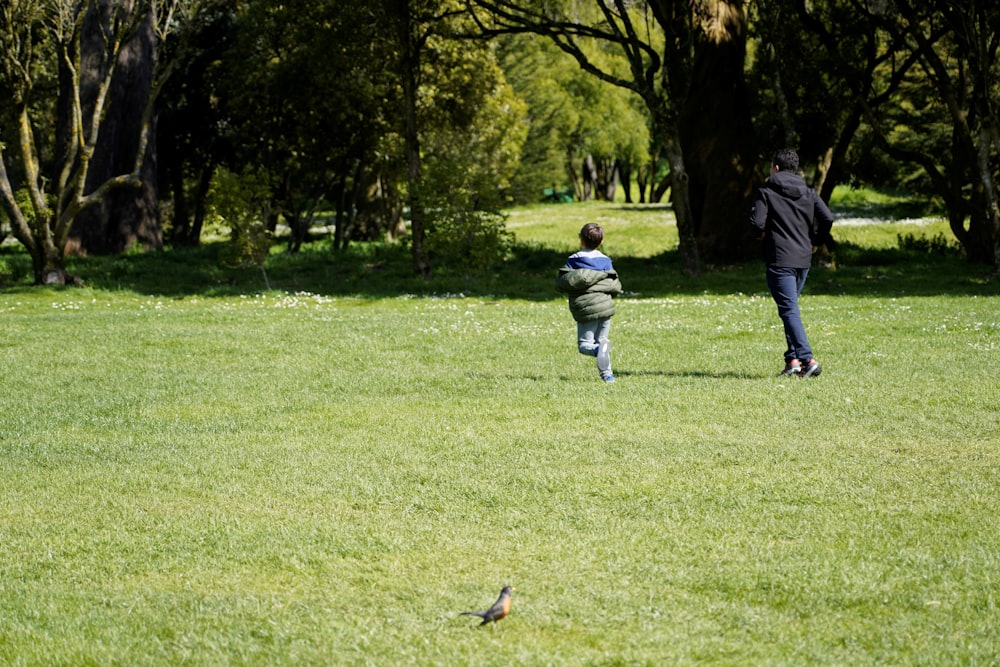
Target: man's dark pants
x,y
786,284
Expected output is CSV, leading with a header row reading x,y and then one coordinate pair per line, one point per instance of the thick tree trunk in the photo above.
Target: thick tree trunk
x,y
126,216
48,261
984,224
643,179
717,139
982,240
608,179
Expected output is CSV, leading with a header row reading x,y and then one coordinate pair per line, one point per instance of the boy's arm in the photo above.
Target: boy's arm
x,y
609,285
563,280
578,280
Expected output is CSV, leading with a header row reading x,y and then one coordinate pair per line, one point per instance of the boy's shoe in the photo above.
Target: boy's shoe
x,y
793,367
811,369
604,357
608,378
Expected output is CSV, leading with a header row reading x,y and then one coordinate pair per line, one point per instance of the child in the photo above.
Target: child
x,y
591,283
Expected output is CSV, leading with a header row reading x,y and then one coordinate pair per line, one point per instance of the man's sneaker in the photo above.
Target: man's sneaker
x,y
793,367
811,369
604,357
608,378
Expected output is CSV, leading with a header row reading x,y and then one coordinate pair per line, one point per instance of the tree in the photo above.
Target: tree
x,y
572,116
125,216
915,80
956,46
191,137
689,73
472,129
37,37
445,82
302,93
410,24
816,70
241,201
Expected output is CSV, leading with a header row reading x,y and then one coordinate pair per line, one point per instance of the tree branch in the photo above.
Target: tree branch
x,y
513,18
22,232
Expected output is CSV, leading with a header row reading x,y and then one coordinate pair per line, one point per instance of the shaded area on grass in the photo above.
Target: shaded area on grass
x,y
885,204
380,270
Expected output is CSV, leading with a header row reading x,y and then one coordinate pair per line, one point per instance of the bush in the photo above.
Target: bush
x,y
935,245
470,242
242,201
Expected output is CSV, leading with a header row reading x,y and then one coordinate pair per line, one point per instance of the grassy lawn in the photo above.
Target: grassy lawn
x,y
197,472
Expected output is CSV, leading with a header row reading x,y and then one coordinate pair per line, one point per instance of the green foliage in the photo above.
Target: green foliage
x,y
304,92
533,67
470,242
802,96
641,239
937,244
473,128
242,201
896,98
866,202
572,114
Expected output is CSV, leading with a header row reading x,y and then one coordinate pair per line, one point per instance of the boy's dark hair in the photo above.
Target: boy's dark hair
x,y
787,160
592,236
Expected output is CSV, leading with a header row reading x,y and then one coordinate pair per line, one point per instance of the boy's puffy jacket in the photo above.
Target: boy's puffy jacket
x,y
591,293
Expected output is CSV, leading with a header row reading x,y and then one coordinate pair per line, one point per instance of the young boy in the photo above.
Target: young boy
x,y
591,283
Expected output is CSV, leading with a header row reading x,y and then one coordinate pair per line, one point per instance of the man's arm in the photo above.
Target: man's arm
x,y
823,221
758,213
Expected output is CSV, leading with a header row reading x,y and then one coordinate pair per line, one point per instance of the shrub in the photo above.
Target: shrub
x,y
242,201
470,242
935,245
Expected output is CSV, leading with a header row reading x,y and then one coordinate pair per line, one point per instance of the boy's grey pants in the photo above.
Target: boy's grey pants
x,y
590,335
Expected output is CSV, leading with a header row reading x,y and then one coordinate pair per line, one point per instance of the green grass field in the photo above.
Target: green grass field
x,y
197,472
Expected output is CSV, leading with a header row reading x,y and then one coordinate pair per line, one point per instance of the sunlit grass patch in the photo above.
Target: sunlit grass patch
x,y
330,474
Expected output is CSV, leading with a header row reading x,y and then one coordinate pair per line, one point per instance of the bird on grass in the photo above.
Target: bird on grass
x,y
499,610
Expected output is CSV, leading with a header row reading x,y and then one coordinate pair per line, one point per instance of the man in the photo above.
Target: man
x,y
793,220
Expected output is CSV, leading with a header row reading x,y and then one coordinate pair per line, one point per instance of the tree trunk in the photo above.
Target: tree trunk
x,y
643,179
680,200
589,178
608,179
661,188
49,262
982,240
625,170
125,216
573,177
409,68
835,172
717,139
984,223
174,176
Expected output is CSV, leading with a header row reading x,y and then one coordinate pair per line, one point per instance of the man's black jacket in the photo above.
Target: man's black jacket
x,y
793,218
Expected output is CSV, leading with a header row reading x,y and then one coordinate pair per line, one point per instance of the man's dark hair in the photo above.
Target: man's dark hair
x,y
787,160
592,235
